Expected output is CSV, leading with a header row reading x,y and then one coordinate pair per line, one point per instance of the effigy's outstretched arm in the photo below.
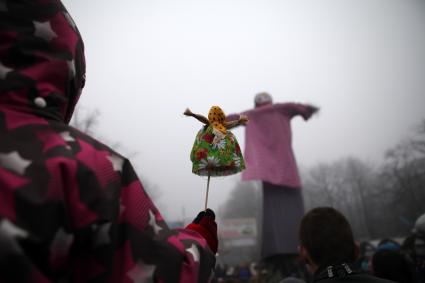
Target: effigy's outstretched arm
x,y
313,109
198,117
243,119
293,109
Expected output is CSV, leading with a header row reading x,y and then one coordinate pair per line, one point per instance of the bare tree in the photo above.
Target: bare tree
x,y
346,185
381,201
405,170
85,121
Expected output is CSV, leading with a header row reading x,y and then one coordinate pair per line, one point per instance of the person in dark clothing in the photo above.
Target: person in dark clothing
x,y
71,208
392,265
414,247
328,248
391,262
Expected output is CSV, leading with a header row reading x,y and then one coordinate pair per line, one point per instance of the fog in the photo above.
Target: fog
x,y
361,61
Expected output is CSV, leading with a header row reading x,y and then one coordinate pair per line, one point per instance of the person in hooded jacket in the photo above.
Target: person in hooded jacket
x,y
71,208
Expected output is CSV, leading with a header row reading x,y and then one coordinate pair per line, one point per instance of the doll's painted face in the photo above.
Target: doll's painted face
x,y
262,98
217,118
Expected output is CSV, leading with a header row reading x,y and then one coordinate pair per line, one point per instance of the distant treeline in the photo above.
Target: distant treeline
x,y
380,201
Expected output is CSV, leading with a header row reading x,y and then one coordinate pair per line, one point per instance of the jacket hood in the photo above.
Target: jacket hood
x,y
42,67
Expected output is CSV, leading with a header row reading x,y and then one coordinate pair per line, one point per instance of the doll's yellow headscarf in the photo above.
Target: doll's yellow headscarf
x,y
217,119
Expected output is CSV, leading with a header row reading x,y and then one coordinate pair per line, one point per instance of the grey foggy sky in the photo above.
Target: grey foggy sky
x,y
361,61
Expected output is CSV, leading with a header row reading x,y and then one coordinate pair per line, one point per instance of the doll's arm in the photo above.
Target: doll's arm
x,y
243,119
198,117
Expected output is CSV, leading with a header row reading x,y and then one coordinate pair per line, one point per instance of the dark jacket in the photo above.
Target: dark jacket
x,y
71,209
345,273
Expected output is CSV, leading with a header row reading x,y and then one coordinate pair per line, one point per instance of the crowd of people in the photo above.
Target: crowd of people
x,y
243,272
329,253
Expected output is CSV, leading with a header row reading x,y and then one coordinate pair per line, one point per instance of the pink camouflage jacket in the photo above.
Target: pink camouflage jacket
x,y
71,209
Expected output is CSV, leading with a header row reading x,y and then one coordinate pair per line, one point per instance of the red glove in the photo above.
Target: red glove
x,y
205,225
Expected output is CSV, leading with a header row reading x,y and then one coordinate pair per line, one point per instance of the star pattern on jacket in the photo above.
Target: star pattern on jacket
x,y
67,136
193,250
117,162
4,70
122,207
141,273
212,275
44,30
14,162
102,236
152,222
61,243
12,230
71,67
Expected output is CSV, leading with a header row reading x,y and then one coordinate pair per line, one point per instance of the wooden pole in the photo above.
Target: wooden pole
x,y
208,189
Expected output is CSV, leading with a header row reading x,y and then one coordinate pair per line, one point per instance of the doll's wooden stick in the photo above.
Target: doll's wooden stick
x,y
208,189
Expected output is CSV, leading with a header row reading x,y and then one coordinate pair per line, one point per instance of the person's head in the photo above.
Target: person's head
x,y
216,117
419,245
391,264
42,63
420,225
326,238
262,98
388,244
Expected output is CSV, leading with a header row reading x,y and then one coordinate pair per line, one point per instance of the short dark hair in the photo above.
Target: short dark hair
x,y
327,236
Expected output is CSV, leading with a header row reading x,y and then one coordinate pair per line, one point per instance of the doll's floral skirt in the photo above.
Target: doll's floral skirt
x,y
216,154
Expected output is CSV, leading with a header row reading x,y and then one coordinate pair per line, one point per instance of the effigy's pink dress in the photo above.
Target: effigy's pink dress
x,y
269,158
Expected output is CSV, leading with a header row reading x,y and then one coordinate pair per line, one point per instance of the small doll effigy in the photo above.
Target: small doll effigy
x,y
216,151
